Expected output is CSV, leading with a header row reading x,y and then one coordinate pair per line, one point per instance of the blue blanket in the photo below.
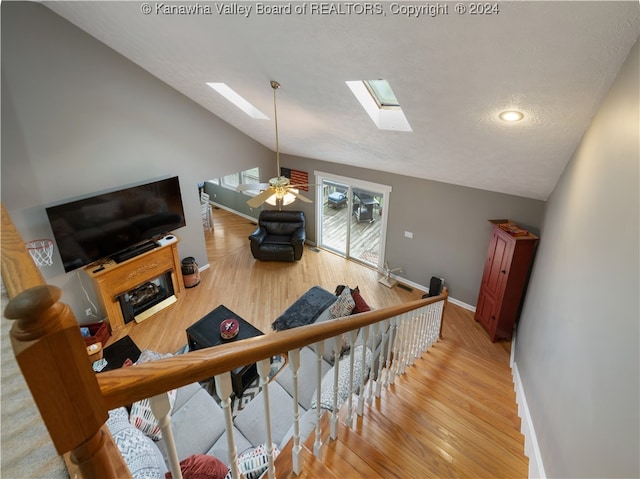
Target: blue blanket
x,y
305,310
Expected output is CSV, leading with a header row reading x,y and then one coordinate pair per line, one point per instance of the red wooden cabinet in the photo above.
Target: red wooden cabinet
x,y
504,280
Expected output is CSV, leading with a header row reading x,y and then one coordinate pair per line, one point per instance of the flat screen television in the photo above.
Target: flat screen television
x,y
109,224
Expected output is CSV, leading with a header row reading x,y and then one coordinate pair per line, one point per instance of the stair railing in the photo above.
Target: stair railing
x,y
53,359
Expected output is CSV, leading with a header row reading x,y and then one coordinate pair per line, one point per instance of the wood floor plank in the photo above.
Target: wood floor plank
x,y
476,402
461,441
495,427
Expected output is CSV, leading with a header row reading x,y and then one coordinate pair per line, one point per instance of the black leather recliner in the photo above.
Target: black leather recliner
x,y
280,236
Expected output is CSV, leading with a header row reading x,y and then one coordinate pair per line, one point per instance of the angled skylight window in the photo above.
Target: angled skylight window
x,y
382,93
238,101
380,103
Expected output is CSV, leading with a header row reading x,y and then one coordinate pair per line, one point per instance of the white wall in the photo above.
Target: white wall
x,y
578,338
78,118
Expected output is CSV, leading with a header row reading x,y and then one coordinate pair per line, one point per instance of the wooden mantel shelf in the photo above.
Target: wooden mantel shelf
x,y
112,279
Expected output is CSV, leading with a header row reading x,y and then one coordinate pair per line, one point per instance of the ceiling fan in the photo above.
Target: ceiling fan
x,y
279,191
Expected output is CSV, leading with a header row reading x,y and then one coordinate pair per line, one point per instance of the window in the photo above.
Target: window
x,y
231,181
246,177
250,176
380,103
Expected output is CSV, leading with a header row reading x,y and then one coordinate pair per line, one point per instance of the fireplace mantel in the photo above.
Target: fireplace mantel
x,y
111,279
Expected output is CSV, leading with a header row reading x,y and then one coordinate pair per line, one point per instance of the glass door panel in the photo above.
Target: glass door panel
x,y
335,217
365,236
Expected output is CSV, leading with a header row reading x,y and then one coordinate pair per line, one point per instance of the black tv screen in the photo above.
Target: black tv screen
x,y
94,228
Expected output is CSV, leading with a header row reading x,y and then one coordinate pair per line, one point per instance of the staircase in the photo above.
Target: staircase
x,y
453,414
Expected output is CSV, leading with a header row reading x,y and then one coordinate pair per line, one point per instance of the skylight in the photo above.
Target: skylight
x,y
380,103
238,101
382,93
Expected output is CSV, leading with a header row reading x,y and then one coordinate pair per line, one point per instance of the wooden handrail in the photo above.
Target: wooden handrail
x,y
19,272
124,386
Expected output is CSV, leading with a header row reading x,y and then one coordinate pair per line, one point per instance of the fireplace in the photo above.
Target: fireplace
x,y
147,298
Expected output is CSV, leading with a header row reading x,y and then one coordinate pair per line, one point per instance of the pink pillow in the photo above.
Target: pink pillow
x,y
201,466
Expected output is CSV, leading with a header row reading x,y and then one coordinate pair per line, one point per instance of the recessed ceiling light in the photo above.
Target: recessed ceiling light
x,y
238,101
511,115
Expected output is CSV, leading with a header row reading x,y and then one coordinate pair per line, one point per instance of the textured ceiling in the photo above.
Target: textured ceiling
x,y
452,74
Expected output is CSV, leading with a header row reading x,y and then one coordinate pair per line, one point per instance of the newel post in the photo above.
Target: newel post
x,y
52,355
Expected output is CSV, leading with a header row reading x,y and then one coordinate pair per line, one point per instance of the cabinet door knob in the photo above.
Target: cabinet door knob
x,y
504,271
493,318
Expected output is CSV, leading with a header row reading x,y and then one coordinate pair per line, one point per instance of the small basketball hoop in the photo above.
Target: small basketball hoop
x,y
41,251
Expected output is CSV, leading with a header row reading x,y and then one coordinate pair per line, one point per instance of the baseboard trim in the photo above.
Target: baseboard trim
x,y
455,301
222,207
531,448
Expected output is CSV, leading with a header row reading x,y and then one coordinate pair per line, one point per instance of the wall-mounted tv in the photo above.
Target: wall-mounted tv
x,y
103,225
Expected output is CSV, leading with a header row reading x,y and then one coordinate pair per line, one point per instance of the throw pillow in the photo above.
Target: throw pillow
x,y
326,394
141,415
254,463
140,454
361,304
201,466
343,305
143,418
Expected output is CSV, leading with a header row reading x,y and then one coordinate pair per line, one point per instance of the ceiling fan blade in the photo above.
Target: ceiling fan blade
x,y
252,187
299,196
261,198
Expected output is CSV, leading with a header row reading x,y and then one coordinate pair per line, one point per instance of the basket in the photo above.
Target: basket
x,y
99,333
41,251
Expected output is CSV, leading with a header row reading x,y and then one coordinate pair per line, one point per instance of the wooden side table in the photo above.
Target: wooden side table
x,y
205,333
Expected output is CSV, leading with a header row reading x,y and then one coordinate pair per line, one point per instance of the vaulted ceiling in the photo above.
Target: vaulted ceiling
x,y
452,74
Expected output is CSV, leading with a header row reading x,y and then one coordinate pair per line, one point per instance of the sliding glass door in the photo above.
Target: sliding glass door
x,y
351,217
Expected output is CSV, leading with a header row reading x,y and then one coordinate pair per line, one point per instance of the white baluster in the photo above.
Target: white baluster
x,y
383,364
397,349
425,334
434,326
353,335
406,352
412,322
420,331
374,333
333,345
402,343
317,445
417,334
365,337
223,389
294,364
161,407
264,366
393,350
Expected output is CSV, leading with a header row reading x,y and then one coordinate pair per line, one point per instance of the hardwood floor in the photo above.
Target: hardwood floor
x,y
260,291
451,415
257,291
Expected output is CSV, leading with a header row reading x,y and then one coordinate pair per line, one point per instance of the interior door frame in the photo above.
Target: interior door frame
x,y
320,176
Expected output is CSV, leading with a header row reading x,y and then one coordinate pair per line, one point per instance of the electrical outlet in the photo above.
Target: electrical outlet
x,y
408,234
88,312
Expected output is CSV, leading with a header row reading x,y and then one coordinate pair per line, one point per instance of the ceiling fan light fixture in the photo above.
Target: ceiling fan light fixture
x,y
287,199
511,115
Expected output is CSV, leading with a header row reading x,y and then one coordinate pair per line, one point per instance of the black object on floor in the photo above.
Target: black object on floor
x,y
117,353
436,286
